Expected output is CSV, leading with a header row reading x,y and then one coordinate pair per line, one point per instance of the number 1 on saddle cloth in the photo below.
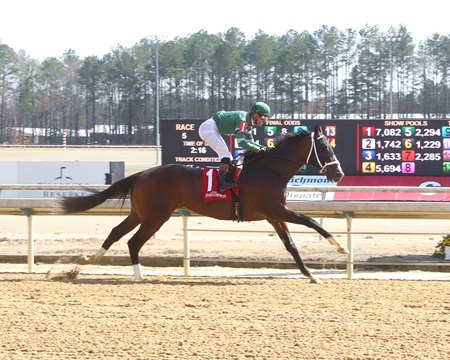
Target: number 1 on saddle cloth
x,y
210,190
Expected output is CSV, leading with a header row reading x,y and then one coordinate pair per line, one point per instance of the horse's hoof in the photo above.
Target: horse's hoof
x,y
83,260
314,280
340,249
343,250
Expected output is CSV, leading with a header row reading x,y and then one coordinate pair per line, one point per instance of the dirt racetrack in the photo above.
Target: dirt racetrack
x,y
104,317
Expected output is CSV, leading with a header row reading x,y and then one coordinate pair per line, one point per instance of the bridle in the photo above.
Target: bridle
x,y
323,167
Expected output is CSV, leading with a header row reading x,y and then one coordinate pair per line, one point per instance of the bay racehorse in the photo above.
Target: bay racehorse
x,y
157,192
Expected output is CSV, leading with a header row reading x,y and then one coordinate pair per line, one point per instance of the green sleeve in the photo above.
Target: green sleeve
x,y
246,141
228,121
238,123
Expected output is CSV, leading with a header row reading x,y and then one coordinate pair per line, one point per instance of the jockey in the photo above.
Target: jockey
x,y
240,124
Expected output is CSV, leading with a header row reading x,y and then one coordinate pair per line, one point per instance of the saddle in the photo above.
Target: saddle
x,y
210,190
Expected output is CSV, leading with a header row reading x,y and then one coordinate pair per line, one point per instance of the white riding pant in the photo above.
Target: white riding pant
x,y
210,134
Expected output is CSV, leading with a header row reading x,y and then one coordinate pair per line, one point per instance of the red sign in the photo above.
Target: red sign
x,y
401,181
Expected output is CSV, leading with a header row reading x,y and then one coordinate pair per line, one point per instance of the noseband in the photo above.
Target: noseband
x,y
323,167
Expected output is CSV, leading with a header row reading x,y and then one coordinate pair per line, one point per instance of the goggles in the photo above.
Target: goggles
x,y
263,117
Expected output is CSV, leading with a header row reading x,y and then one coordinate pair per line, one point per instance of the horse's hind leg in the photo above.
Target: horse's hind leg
x,y
145,231
285,236
130,222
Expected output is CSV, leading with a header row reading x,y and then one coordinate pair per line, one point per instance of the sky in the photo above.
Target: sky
x,y
48,28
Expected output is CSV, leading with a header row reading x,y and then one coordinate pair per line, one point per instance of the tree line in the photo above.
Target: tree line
x,y
329,73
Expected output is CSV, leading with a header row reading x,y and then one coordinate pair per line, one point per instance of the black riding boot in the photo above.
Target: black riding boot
x,y
225,180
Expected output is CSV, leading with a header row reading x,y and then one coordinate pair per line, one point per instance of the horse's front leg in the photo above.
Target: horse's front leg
x,y
285,236
284,214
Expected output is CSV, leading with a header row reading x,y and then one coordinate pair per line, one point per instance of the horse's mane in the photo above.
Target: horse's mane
x,y
280,142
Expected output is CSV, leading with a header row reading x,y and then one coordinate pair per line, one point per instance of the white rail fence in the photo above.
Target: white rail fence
x,y
347,210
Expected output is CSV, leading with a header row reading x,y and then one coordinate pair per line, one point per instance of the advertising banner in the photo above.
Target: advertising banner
x,y
82,173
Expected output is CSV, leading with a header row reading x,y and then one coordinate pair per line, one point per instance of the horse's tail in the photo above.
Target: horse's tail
x,y
120,190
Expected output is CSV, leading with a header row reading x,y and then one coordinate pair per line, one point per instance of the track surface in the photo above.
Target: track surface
x,y
109,317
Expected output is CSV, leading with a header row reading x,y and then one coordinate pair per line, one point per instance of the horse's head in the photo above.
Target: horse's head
x,y
322,156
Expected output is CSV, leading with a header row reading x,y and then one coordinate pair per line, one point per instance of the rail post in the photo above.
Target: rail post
x,y
29,214
186,249
350,258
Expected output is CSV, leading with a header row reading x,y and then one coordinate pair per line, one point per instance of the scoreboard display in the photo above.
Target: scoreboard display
x,y
364,147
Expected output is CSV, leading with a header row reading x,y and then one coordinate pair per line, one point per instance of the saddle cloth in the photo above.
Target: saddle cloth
x,y
210,183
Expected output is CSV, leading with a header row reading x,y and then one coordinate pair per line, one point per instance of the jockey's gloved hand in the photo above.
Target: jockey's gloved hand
x,y
263,150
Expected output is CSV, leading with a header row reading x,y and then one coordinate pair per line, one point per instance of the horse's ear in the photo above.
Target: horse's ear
x,y
318,131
